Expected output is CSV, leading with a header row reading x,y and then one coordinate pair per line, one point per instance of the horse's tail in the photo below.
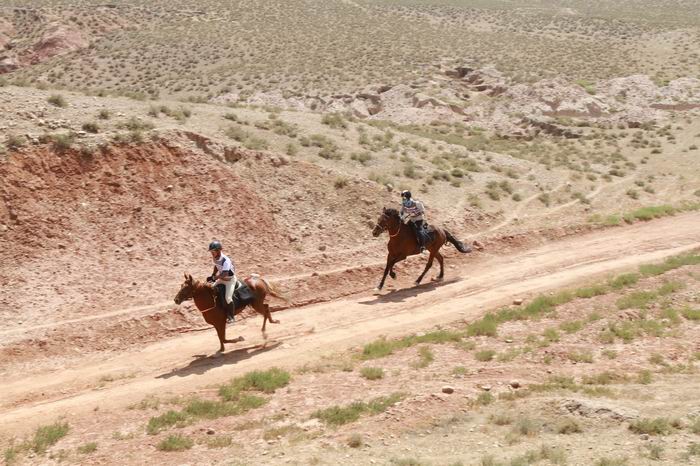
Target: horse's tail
x,y
273,291
461,247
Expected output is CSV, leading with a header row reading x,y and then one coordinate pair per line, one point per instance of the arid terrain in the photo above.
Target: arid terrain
x,y
562,135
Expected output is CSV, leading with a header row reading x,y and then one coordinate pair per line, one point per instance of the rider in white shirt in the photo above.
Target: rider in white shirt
x,y
224,275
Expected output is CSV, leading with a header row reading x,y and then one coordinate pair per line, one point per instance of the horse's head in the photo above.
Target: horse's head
x,y
386,221
186,290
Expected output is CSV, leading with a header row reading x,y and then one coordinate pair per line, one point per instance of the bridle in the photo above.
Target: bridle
x,y
387,228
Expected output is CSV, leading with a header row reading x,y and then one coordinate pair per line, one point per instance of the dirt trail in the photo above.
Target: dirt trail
x,y
181,364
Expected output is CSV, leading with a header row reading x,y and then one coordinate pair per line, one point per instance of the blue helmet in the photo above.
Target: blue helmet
x,y
215,246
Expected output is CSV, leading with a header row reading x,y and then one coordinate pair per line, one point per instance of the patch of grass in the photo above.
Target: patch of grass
x,y
484,355
691,314
591,291
175,442
551,335
262,381
484,398
624,280
164,421
610,354
669,264
649,213
426,357
658,426
87,448
45,436
669,288
486,326
636,300
459,370
339,415
372,373
11,454
382,347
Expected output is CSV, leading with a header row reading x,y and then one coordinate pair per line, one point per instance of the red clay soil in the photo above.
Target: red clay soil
x,y
83,234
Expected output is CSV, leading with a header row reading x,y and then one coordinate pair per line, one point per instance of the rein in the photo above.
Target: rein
x,y
397,231
208,309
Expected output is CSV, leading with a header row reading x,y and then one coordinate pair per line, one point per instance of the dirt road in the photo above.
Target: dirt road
x,y
182,364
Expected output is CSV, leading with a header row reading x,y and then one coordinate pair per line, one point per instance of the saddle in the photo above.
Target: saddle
x,y
242,296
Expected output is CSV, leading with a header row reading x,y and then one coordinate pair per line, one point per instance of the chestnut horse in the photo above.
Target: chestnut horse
x,y
204,297
403,243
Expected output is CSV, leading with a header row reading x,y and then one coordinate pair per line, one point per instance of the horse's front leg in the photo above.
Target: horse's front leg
x,y
427,267
390,261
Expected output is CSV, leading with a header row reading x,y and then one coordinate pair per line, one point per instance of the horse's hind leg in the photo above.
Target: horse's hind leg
x,y
427,267
442,264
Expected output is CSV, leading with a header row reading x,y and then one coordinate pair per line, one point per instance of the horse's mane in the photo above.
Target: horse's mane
x,y
391,212
197,286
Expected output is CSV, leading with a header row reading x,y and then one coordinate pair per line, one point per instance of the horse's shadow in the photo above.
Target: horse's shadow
x,y
202,362
398,296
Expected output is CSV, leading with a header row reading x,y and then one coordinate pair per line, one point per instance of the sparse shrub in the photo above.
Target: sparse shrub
x,y
484,398
175,442
14,141
45,436
658,426
104,114
644,377
91,127
355,441
372,373
340,182
568,426
57,100
484,355
62,142
292,149
362,157
88,448
334,120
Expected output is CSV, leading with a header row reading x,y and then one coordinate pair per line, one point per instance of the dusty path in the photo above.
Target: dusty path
x,y
180,364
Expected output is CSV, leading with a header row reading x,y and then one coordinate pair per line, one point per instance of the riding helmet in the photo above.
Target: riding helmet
x,y
215,246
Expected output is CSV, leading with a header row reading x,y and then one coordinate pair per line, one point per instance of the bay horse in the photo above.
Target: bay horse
x,y
403,243
204,296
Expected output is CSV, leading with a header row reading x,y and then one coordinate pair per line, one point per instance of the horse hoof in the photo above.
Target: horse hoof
x,y
218,354
275,321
